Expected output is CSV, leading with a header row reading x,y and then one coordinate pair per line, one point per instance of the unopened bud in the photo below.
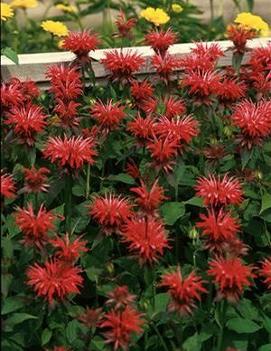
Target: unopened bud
x,y
110,268
193,233
258,175
227,131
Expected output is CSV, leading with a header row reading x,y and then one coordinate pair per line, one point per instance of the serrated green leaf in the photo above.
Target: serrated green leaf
x,y
195,201
242,325
11,304
171,211
46,336
71,331
18,318
123,178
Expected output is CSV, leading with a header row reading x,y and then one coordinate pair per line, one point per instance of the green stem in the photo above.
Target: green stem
x,y
88,181
160,337
223,307
68,203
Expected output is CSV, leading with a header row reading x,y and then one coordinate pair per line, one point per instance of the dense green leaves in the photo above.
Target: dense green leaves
x,y
172,211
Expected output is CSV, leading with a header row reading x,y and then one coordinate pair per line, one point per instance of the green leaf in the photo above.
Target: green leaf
x,y
11,54
171,211
266,202
266,347
46,336
242,325
195,201
71,331
11,304
18,318
123,178
192,343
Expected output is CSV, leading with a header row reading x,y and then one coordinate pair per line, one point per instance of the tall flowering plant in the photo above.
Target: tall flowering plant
x,y
136,216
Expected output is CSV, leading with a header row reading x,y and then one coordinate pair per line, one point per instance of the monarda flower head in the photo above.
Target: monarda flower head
x,y
28,89
35,227
65,82
145,237
122,65
265,272
108,115
54,280
184,292
141,128
254,120
11,94
67,111
111,212
174,107
36,179
120,326
260,59
149,199
141,90
91,317
217,191
81,43
211,52
72,152
124,25
164,65
239,35
231,277
7,185
230,91
120,297
160,40
26,122
66,250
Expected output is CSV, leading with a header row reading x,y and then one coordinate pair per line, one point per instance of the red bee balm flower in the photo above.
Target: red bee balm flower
x,y
111,212
239,35
11,94
7,185
91,317
108,115
174,107
81,43
149,200
67,111
230,90
70,152
121,64
183,291
145,237
265,272
260,58
35,227
141,90
164,65
68,251
231,276
65,82
120,297
36,179
124,25
211,52
54,280
26,122
120,326
160,40
219,192
141,128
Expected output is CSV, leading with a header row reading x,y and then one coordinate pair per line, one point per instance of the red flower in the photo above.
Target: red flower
x,y
141,90
65,82
174,107
54,280
260,58
219,192
29,89
149,105
149,200
108,115
231,276
163,150
132,169
7,185
70,152
67,111
211,52
91,317
81,43
202,84
60,348
218,229
230,90
265,272
124,25
254,119
261,83
146,238
11,94
183,129
122,65
111,212
35,227
164,65
141,128
239,35
26,122
36,179
120,297
183,291
160,40
120,326
68,251
214,152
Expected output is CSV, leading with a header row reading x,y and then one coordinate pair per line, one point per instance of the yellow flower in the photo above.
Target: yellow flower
x,y
66,8
6,12
156,16
24,4
176,8
60,44
57,28
252,21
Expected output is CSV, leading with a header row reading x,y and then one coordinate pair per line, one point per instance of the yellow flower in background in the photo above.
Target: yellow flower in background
x,y
177,8
156,16
6,12
60,44
66,8
252,21
55,27
24,4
